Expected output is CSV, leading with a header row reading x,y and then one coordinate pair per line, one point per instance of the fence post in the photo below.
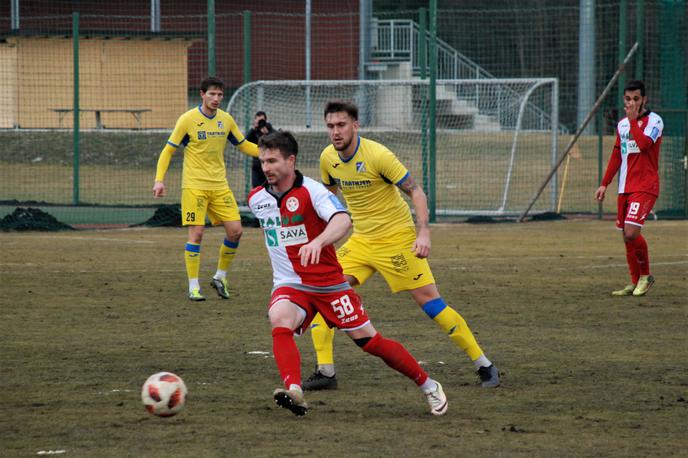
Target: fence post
x,y
600,156
75,109
211,38
423,64
640,38
433,106
623,27
247,79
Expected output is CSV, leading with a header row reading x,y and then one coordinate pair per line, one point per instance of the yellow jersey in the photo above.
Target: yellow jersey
x,y
205,139
369,182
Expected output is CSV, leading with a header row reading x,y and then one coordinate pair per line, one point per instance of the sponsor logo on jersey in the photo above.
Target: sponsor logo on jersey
x,y
360,167
283,220
353,184
654,134
292,204
201,134
631,147
335,165
266,205
200,123
286,236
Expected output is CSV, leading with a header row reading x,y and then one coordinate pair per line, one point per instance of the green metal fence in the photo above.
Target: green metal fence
x,y
96,166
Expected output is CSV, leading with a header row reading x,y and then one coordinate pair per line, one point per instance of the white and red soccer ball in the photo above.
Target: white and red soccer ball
x,y
164,394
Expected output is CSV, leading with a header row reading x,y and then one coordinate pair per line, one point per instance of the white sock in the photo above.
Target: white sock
x,y
482,361
220,274
428,386
193,284
326,369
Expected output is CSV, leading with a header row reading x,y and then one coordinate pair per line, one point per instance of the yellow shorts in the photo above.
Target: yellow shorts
x,y
361,257
218,205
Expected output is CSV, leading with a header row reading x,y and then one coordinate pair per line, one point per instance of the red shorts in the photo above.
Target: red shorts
x,y
341,309
633,208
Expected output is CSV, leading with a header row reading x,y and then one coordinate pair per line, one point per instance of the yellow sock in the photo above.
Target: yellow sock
x,y
454,325
192,259
323,340
226,257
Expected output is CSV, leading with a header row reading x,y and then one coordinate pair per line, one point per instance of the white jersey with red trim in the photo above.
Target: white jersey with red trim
x,y
291,221
638,171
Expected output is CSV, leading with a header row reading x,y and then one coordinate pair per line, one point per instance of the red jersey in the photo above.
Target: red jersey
x,y
636,155
292,220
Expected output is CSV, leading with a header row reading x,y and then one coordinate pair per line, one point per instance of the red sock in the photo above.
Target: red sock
x,y
287,356
397,357
641,255
632,260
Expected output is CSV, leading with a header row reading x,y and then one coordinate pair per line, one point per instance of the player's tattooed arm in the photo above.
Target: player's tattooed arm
x,y
408,186
419,200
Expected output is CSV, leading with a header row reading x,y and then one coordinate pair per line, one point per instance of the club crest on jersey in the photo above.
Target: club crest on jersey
x,y
220,125
201,134
360,167
292,204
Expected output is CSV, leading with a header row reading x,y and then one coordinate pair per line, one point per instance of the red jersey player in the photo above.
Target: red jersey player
x,y
301,220
636,158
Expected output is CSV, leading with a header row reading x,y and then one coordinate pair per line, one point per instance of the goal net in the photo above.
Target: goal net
x,y
496,139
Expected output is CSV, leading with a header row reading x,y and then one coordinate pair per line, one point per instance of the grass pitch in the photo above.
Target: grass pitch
x,y
86,317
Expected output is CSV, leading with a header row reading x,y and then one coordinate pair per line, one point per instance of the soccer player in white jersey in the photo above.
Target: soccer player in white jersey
x,y
301,220
636,158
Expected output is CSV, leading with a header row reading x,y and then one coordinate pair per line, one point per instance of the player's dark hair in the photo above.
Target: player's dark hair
x,y
260,113
635,85
211,81
282,140
335,106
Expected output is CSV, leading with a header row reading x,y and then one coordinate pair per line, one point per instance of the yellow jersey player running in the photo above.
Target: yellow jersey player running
x,y
204,131
384,238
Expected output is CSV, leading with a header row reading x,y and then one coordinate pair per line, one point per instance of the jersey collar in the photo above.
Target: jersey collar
x,y
358,145
201,111
298,182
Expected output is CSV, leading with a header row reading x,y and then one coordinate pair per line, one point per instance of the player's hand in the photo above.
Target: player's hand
x,y
310,253
632,110
158,189
421,247
599,194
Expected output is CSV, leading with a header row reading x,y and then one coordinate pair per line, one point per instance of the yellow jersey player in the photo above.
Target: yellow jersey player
x,y
384,238
204,131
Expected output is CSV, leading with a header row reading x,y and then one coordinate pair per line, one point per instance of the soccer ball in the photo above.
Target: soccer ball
x,y
164,394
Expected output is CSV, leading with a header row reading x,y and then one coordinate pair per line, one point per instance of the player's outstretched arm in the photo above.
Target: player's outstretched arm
x,y
248,148
419,200
336,229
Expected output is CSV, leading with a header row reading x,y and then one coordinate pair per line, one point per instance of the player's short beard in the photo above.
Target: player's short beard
x,y
345,146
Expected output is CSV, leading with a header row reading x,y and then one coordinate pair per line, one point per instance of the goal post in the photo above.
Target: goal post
x,y
496,138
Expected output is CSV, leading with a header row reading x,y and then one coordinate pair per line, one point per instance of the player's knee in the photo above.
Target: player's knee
x,y
195,237
362,342
630,235
234,235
